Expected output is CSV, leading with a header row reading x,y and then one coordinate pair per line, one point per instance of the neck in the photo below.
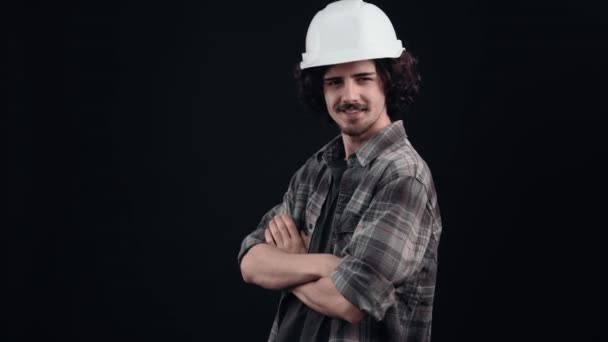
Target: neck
x,y
351,144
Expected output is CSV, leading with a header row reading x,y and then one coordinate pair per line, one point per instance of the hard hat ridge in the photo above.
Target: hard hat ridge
x,y
347,31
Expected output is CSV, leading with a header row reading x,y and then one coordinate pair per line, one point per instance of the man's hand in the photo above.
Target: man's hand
x,y
283,234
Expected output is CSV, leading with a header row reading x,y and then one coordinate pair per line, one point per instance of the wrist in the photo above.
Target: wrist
x,y
325,264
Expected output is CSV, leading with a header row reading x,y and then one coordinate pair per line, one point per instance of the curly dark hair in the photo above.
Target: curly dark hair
x,y
399,75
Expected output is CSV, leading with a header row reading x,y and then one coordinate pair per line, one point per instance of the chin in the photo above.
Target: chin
x,y
353,130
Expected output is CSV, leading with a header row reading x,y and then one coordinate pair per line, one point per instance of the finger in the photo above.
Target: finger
x,y
268,237
305,238
290,225
276,235
282,229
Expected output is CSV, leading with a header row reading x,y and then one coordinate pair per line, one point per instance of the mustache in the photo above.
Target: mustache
x,y
350,106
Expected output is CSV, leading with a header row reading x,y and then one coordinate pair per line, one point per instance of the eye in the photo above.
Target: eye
x,y
332,82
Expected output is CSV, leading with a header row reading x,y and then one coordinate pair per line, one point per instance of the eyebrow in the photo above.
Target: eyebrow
x,y
360,74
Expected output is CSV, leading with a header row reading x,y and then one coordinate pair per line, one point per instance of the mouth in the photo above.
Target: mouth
x,y
352,111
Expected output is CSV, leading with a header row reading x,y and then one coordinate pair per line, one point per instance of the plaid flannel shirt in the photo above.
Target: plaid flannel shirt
x,y
386,231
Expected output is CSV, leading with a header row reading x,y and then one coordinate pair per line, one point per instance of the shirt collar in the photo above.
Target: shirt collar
x,y
370,150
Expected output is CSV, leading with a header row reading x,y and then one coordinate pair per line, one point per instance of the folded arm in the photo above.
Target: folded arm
x,y
322,296
319,294
271,268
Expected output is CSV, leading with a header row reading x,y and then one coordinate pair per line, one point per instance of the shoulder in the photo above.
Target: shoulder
x,y
403,161
309,170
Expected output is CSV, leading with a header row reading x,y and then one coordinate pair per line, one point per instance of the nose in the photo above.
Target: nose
x,y
350,91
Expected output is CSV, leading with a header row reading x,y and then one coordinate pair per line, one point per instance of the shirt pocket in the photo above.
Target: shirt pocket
x,y
344,230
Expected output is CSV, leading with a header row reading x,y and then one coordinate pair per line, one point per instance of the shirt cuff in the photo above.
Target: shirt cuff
x,y
248,242
365,288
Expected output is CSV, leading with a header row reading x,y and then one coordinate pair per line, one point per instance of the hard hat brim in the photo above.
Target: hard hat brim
x,y
310,60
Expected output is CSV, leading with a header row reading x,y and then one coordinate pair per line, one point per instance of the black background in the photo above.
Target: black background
x,y
145,140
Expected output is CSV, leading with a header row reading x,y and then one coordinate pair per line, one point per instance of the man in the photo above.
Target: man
x,y
354,243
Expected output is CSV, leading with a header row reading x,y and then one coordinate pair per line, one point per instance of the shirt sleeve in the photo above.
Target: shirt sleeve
x,y
387,246
257,236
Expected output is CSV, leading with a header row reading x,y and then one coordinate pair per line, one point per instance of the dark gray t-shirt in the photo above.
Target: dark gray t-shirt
x,y
298,322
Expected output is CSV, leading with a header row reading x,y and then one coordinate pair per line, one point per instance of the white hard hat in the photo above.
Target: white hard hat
x,y
348,31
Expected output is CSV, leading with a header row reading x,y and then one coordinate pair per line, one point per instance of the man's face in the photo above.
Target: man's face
x,y
355,100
